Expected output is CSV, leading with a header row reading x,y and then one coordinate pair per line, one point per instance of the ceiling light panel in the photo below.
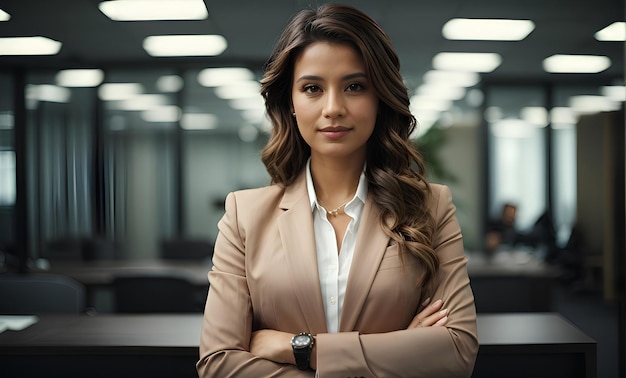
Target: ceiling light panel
x,y
242,89
29,46
166,113
451,78
119,91
153,10
487,29
80,78
465,61
198,121
48,93
560,63
215,77
614,32
184,45
4,16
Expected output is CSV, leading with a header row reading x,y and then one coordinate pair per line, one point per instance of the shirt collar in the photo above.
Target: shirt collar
x,y
361,190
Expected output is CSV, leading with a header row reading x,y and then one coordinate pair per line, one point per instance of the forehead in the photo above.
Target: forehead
x,y
327,57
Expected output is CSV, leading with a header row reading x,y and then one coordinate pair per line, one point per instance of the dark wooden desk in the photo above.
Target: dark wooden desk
x,y
533,345
511,281
512,345
101,273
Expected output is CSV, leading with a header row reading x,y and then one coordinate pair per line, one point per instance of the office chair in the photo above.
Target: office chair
x,y
65,248
155,293
186,249
38,293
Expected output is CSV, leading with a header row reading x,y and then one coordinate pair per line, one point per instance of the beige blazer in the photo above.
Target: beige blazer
x,y
265,277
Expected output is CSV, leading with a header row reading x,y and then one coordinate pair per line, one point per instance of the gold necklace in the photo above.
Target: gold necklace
x,y
334,212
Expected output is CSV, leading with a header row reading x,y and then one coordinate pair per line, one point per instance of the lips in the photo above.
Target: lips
x,y
334,132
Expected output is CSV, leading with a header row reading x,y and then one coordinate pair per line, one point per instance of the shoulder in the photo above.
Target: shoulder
x,y
253,199
440,200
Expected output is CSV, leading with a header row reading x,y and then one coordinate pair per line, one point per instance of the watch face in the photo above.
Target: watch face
x,y
301,341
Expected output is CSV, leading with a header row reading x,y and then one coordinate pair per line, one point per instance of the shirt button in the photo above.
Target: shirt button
x,y
332,300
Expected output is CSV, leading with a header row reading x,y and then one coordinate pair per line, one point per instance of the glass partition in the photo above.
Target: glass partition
x,y
517,120
7,166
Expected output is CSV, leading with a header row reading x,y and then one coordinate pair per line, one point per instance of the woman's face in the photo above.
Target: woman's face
x,y
334,101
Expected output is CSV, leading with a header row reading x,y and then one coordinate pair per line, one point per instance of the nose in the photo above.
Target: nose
x,y
334,106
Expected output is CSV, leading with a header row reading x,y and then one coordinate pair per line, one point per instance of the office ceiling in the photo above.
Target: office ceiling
x,y
90,39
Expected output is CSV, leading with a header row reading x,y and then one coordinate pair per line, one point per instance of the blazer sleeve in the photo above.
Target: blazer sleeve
x,y
448,351
227,323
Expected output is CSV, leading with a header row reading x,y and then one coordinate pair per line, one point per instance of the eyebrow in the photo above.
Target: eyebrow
x,y
319,78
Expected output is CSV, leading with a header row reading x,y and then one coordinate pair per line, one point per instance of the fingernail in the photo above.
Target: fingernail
x,y
442,321
426,301
444,311
438,302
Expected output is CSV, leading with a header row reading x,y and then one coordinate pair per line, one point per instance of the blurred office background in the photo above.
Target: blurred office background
x,y
112,149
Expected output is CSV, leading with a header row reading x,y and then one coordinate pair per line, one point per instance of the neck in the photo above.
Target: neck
x,y
335,183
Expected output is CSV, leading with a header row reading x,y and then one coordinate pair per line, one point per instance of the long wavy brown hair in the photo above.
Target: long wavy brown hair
x,y
395,170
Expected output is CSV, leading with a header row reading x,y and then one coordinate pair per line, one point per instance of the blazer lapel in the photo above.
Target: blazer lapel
x,y
370,248
296,232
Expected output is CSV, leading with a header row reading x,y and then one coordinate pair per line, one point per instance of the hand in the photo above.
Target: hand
x,y
431,315
272,345
276,346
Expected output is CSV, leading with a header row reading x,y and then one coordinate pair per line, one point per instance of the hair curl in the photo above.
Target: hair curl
x,y
395,169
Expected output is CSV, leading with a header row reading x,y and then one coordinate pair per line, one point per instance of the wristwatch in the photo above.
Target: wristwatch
x,y
302,345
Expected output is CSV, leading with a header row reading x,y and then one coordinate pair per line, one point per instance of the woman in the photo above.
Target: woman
x,y
330,269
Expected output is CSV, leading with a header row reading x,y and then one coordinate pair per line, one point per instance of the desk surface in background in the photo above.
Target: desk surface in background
x,y
101,273
150,340
94,273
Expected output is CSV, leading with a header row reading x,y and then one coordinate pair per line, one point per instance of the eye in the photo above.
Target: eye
x,y
311,88
355,87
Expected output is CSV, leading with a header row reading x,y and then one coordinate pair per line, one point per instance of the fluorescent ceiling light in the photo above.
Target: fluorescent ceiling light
x,y
420,103
4,16
170,83
614,32
215,77
184,45
464,61
576,63
80,78
146,10
588,104
29,46
441,91
615,92
493,114
48,93
242,89
535,115
142,102
198,121
248,103
451,78
562,115
487,29
119,91
512,128
167,113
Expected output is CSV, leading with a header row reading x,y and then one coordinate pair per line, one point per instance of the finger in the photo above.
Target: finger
x,y
425,313
424,304
434,318
441,322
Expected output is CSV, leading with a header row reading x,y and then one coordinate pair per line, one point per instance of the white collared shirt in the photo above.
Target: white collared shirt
x,y
334,266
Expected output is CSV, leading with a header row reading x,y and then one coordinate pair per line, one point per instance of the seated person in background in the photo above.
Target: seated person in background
x,y
502,231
